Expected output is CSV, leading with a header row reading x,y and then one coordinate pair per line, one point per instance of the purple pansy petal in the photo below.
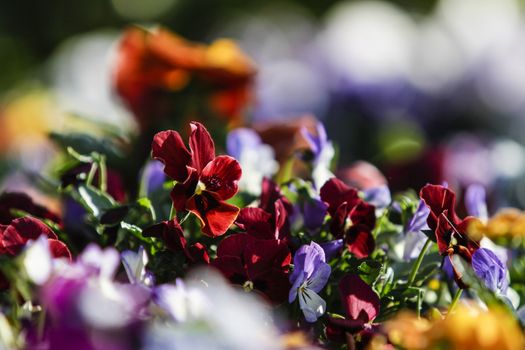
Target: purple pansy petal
x,y
154,176
314,213
475,201
418,222
239,139
295,287
319,278
379,197
414,242
490,269
332,248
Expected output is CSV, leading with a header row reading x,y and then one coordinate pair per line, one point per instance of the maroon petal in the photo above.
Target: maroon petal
x,y
233,245
335,192
260,256
221,176
169,232
360,241
21,201
274,283
183,191
359,300
198,254
439,199
169,148
364,214
201,145
59,249
256,222
216,217
231,267
21,230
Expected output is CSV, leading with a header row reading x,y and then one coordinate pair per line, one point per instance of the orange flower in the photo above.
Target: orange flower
x,y
151,64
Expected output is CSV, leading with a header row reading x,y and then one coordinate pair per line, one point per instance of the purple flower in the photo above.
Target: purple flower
x,y
379,197
153,175
323,152
415,239
489,268
309,276
240,139
135,266
314,212
332,248
475,201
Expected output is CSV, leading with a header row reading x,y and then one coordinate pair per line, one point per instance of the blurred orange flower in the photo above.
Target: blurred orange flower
x,y
151,64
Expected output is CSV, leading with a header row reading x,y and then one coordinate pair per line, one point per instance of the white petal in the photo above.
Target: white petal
x,y
311,304
38,261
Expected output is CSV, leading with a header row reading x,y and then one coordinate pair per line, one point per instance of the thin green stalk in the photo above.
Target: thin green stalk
x,y
172,212
455,301
103,173
419,260
91,174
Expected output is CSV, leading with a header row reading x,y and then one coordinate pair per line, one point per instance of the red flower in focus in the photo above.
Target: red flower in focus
x,y
172,235
260,264
270,219
352,217
361,305
21,201
152,64
204,181
450,230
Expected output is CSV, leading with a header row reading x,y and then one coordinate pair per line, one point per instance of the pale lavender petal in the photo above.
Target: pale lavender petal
x,y
490,270
475,201
414,242
239,139
154,176
418,222
296,285
318,280
379,197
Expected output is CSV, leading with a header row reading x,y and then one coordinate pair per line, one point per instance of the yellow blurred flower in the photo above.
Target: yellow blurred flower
x,y
507,223
468,327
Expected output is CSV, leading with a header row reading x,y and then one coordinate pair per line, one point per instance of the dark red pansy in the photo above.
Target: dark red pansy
x,y
445,223
203,181
21,201
361,305
351,217
258,264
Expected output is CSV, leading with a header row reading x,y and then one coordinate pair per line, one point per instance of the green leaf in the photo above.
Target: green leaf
x,y
86,144
94,200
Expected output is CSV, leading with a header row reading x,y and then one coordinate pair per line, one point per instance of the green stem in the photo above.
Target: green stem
x,y
419,260
455,301
91,174
172,212
103,173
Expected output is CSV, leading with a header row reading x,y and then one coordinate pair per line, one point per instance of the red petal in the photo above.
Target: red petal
x,y
256,222
59,249
198,254
216,217
260,256
359,300
19,200
360,241
335,192
233,245
231,267
169,148
169,232
221,176
363,213
274,283
439,199
21,230
183,191
201,145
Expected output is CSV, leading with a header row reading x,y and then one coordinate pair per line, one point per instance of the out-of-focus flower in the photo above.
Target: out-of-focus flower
x,y
352,218
379,197
153,177
322,151
204,181
151,64
489,268
310,274
507,223
21,201
362,175
260,264
475,202
256,158
468,327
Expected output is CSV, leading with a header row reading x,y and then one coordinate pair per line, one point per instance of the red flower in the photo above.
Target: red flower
x,y
270,219
204,181
352,218
172,235
450,231
361,305
256,264
445,223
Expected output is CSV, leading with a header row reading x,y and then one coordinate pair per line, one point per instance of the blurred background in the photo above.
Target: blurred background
x,y
427,91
